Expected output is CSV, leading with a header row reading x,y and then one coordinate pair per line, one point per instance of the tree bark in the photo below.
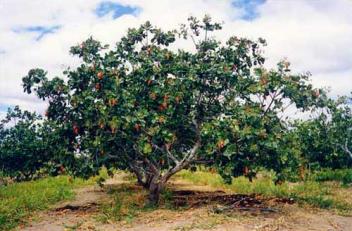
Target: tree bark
x,y
345,148
140,178
143,176
155,188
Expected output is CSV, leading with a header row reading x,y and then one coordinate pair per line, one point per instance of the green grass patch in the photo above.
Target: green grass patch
x,y
19,200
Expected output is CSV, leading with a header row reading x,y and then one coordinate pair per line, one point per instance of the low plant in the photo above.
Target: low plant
x,y
342,175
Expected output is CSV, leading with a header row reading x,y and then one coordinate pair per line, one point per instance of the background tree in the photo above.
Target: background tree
x,y
153,110
22,151
326,140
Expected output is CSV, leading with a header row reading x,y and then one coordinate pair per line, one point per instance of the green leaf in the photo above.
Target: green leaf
x,y
147,148
230,150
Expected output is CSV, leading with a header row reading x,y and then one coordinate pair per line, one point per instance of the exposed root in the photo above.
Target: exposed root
x,y
69,207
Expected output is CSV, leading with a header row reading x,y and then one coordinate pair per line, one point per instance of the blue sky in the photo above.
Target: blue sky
x,y
4,107
39,31
314,35
249,8
117,9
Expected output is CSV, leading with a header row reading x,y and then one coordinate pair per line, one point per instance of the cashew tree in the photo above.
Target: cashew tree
x,y
22,151
153,108
327,138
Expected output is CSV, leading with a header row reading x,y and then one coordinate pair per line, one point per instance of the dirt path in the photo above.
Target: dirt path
x,y
80,214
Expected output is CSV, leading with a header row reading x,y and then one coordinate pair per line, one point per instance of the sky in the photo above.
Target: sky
x,y
314,35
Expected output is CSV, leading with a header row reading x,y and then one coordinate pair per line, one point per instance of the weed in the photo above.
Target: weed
x,y
166,199
73,227
342,175
204,223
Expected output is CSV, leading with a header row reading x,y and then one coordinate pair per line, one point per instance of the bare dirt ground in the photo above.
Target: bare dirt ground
x,y
81,214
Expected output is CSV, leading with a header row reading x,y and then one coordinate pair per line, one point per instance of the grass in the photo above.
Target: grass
x,y
204,223
19,200
314,193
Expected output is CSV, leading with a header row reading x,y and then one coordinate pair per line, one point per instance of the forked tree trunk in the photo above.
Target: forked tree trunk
x,y
158,182
153,183
143,178
155,180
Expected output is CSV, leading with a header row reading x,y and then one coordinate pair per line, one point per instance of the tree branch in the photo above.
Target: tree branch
x,y
285,108
345,148
194,41
139,174
187,159
169,154
272,101
173,158
149,163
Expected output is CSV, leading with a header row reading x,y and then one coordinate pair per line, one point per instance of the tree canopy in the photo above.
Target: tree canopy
x,y
21,149
326,140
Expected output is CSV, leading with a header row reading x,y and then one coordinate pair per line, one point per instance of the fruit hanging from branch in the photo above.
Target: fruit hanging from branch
x,y
100,75
75,129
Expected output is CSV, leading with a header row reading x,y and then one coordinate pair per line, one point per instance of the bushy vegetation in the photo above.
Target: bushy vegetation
x,y
341,175
19,201
22,151
326,139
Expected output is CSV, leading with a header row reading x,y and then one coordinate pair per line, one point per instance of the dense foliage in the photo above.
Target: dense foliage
x,y
22,150
326,140
31,147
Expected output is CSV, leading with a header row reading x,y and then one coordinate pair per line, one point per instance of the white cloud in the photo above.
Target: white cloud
x,y
314,35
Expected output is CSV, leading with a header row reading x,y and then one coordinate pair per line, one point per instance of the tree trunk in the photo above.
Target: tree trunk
x,y
140,179
155,187
157,181
143,179
154,194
